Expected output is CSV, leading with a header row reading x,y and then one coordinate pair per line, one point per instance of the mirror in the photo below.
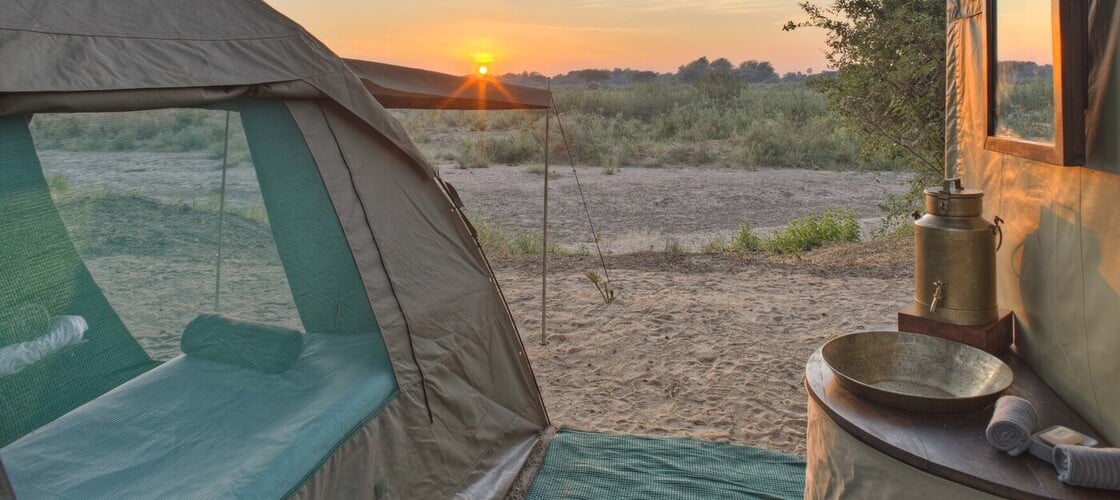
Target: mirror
x,y
1036,84
1024,100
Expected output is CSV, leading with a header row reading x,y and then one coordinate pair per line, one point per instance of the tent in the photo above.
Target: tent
x,y
410,378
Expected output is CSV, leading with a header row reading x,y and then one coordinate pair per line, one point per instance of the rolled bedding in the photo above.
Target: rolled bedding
x,y
1088,467
267,348
1013,422
60,333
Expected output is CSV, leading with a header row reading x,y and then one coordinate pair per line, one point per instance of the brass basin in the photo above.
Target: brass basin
x,y
916,372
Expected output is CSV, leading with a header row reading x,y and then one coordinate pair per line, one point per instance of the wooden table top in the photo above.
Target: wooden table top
x,y
954,446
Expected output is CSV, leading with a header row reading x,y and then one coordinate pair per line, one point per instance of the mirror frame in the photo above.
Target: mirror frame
x,y
1069,21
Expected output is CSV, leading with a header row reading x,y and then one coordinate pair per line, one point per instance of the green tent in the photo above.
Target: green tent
x,y
389,365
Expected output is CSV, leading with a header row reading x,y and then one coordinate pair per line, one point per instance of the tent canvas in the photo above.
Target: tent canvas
x,y
466,406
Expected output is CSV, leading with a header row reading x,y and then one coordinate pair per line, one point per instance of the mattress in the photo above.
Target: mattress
x,y
194,428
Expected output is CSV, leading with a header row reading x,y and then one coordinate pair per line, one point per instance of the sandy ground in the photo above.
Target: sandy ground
x,y
640,209
707,346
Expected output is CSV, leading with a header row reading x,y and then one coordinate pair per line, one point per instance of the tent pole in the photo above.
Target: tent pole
x,y
221,215
544,239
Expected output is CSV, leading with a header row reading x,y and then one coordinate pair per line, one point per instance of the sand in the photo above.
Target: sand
x,y
711,347
640,209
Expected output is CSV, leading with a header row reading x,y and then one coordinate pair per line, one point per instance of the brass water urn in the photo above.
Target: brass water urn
x,y
955,257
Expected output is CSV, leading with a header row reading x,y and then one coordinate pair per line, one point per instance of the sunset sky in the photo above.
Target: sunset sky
x,y
558,36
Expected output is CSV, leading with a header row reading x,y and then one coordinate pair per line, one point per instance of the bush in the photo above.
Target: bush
x,y
672,245
508,149
815,231
497,240
715,245
745,240
59,186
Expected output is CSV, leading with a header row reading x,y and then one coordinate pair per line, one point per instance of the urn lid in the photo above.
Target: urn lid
x,y
953,200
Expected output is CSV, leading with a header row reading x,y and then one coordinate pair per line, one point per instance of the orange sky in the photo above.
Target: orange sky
x,y
558,36
1024,32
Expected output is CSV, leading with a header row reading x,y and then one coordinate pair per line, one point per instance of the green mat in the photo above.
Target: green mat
x,y
607,466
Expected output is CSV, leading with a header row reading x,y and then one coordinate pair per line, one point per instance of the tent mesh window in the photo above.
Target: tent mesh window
x,y
119,230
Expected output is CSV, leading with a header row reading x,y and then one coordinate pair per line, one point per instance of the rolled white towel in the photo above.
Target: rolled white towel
x,y
1089,467
1013,422
63,332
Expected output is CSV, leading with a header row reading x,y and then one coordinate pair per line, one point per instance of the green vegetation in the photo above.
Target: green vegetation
x,y
1025,101
59,186
714,120
746,240
815,231
672,245
157,131
498,240
889,88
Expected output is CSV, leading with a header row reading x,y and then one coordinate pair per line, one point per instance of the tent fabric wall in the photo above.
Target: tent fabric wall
x,y
1058,269
57,48
457,356
467,394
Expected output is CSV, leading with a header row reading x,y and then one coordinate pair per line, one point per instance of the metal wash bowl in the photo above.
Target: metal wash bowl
x,y
916,372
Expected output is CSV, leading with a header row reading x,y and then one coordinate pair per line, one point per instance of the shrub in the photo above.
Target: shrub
x,y
498,240
508,149
59,186
745,240
672,245
715,245
814,231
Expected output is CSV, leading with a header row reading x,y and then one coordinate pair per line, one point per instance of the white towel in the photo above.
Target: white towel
x,y
1013,422
63,331
1089,467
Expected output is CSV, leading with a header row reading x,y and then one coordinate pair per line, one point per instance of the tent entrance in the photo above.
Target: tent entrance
x,y
115,225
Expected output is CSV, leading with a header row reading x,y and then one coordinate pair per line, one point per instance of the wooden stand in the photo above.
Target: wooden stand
x,y
952,446
994,338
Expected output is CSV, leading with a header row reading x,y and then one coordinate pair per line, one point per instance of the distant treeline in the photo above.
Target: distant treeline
x,y
701,69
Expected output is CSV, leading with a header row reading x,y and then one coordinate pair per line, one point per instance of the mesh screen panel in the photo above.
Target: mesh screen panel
x,y
139,222
40,266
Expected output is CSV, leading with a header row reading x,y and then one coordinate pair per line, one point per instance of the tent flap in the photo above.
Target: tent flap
x,y
411,88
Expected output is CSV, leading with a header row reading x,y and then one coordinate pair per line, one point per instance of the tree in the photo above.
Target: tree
x,y
592,75
889,85
693,71
721,65
757,72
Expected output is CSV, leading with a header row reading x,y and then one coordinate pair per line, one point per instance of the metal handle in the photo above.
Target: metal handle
x,y
937,296
997,230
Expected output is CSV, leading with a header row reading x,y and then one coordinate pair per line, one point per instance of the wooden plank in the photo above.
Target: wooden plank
x,y
954,446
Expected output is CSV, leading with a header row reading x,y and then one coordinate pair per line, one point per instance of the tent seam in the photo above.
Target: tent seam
x,y
147,36
1084,314
381,258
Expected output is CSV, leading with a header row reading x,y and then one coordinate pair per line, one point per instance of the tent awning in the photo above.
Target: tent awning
x,y
411,88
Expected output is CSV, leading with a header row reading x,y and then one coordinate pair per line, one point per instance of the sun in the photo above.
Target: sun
x,y
482,61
